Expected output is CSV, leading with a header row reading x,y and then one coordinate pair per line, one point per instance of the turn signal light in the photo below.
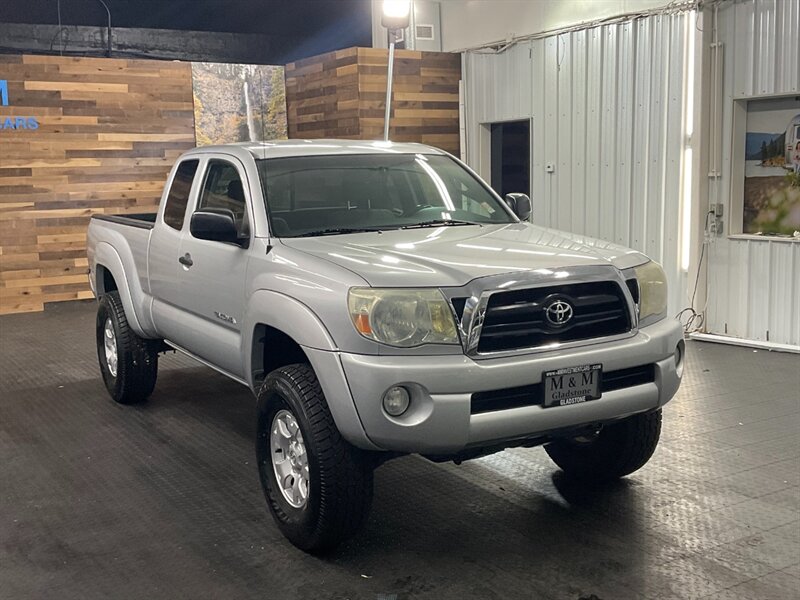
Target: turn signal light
x,y
362,324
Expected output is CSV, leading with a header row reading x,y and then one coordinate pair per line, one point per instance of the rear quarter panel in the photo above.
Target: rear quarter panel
x,y
122,250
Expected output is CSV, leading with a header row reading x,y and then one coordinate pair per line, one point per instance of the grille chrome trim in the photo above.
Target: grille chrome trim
x,y
478,291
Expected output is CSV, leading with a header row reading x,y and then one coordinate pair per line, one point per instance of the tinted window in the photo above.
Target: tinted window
x,y
310,194
223,191
178,196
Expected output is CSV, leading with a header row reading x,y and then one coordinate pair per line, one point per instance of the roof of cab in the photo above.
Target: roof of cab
x,y
286,148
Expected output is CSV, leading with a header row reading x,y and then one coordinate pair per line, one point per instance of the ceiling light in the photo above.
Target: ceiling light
x,y
396,14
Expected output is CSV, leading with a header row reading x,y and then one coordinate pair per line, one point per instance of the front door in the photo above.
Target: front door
x,y
212,274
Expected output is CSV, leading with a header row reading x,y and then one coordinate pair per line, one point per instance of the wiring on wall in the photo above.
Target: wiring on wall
x,y
498,47
674,7
692,320
108,28
63,44
62,29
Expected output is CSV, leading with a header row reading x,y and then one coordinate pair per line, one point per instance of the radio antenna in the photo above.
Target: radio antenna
x,y
261,102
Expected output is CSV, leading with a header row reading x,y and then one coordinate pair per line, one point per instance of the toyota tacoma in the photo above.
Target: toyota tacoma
x,y
380,299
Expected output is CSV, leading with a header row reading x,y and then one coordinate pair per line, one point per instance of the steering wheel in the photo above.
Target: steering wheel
x,y
420,208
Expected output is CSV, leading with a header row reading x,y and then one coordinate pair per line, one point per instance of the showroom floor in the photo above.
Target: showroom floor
x,y
162,501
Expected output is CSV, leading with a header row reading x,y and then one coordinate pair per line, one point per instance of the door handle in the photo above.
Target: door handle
x,y
186,260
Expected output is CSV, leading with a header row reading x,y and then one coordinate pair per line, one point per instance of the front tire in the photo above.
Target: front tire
x,y
317,486
618,450
128,363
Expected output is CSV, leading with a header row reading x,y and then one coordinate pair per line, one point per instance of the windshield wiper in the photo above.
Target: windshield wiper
x,y
343,230
335,231
439,223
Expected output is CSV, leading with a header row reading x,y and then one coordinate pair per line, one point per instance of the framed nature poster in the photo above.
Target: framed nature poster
x,y
771,194
238,103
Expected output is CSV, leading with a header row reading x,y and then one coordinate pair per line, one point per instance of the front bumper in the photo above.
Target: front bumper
x,y
439,420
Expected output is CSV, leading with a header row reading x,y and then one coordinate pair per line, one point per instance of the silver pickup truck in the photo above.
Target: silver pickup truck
x,y
380,299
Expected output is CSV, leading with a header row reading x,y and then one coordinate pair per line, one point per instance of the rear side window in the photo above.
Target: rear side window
x,y
178,197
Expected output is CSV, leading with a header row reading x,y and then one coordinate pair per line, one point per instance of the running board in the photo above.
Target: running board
x,y
206,363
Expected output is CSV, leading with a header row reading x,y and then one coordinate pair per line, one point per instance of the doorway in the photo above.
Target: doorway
x,y
511,157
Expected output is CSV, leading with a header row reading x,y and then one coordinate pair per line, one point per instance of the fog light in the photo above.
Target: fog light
x,y
396,401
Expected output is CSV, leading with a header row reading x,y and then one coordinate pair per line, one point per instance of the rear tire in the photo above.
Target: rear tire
x,y
618,450
334,494
128,363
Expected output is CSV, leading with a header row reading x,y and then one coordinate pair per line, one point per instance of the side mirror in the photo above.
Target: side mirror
x,y
217,226
520,204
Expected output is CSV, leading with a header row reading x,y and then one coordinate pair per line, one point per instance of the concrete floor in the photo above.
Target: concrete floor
x,y
163,501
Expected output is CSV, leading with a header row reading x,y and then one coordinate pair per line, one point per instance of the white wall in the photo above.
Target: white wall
x,y
754,284
606,107
469,23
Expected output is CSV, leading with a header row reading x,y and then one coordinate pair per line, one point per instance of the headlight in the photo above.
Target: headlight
x,y
652,292
402,317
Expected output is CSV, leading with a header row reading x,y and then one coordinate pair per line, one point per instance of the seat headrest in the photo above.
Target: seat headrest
x,y
236,190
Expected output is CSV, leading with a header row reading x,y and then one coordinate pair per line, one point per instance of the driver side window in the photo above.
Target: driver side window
x,y
223,191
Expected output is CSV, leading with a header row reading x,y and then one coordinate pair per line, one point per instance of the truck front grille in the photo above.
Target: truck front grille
x,y
516,319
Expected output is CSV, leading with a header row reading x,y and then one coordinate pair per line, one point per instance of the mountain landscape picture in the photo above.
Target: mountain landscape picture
x,y
238,103
772,167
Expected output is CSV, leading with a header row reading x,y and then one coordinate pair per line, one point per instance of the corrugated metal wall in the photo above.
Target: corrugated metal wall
x,y
606,108
754,284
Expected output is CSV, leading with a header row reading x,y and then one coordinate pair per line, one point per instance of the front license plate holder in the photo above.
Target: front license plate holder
x,y
572,385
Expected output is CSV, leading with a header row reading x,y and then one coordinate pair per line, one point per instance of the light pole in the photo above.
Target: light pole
x,y
396,16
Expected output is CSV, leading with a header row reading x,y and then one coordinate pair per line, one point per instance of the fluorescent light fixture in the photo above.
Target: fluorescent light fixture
x,y
688,130
686,212
689,75
396,14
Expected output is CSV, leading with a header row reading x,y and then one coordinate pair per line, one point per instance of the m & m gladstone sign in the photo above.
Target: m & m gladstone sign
x,y
14,122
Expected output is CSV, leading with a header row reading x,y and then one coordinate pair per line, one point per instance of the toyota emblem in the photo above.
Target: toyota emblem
x,y
558,313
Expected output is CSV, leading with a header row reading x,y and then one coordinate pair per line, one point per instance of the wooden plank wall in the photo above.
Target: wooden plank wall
x,y
425,96
109,131
342,95
322,96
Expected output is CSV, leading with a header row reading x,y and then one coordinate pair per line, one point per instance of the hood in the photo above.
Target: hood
x,y
452,256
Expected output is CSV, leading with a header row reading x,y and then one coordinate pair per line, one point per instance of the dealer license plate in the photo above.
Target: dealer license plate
x,y
572,385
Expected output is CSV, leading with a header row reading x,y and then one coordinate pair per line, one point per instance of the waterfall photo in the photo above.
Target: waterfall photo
x,y
238,103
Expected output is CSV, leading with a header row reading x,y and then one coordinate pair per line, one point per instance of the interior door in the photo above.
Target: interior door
x,y
511,154
212,274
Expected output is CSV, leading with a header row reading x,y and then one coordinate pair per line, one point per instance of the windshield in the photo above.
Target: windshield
x,y
323,195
